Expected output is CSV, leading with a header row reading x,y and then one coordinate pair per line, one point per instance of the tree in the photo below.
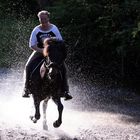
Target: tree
x,y
20,7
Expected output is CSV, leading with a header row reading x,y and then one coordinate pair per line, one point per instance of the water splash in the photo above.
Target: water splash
x,y
83,117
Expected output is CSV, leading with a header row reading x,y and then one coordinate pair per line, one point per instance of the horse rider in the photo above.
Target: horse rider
x,y
42,31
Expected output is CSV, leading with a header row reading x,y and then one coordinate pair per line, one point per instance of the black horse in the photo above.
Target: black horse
x,y
46,82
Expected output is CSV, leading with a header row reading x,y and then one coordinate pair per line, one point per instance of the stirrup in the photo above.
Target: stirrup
x,y
26,93
67,96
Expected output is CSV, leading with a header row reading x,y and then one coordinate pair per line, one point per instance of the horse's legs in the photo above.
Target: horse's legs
x,y
45,103
37,109
58,122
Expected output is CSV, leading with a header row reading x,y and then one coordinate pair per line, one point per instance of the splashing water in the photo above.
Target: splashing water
x,y
86,117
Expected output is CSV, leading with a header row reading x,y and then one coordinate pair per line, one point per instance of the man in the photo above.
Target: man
x,y
42,31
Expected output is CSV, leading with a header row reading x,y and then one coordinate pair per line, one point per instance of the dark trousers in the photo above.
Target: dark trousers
x,y
33,62
65,84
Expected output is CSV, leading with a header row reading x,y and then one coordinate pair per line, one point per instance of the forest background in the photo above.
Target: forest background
x,y
102,37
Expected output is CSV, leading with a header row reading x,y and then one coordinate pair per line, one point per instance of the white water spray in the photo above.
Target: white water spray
x,y
78,122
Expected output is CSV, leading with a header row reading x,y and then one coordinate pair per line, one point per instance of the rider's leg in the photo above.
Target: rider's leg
x,y
65,85
30,65
27,72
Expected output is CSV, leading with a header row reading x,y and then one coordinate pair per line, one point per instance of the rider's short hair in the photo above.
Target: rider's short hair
x,y
43,12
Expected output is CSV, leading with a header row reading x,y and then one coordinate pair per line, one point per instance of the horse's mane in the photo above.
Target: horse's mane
x,y
59,46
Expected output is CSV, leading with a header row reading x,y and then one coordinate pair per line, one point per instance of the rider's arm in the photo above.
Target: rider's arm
x,y
35,48
33,41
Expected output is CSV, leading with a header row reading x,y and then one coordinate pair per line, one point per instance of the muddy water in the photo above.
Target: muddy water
x,y
96,112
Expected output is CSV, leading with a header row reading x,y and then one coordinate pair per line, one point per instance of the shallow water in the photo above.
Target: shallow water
x,y
96,112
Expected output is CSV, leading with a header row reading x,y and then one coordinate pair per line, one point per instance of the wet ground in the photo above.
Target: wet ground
x,y
97,112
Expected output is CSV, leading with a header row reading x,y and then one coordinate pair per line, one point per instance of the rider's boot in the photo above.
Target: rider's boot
x,y
26,93
67,96
26,90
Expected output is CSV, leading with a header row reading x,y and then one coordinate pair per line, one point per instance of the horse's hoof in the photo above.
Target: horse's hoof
x,y
57,123
33,119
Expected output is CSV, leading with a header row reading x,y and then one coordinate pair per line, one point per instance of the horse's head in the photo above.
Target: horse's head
x,y
56,52
56,55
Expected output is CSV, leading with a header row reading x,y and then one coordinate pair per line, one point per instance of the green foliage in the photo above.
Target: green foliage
x,y
14,34
18,7
103,37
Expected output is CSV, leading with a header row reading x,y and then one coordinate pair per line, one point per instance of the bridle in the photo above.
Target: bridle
x,y
48,64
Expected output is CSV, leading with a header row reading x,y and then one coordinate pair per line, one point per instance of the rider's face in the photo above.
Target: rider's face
x,y
44,19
